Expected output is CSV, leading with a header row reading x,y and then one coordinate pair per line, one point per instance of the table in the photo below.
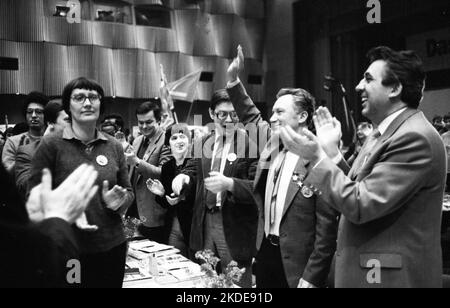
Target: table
x,y
153,265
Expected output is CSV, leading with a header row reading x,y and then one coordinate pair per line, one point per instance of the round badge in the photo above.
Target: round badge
x,y
307,192
102,160
232,157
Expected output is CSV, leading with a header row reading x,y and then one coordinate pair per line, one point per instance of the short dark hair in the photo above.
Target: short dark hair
x,y
34,97
51,111
218,97
119,120
447,118
303,100
146,107
402,67
81,83
175,129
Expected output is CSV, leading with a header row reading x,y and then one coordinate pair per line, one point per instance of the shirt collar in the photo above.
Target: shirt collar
x,y
68,134
388,121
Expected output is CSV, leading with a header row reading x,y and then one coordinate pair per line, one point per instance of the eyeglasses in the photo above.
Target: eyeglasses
x,y
81,98
223,115
30,111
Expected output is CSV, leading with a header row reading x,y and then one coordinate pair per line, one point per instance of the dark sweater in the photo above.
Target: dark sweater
x,y
62,153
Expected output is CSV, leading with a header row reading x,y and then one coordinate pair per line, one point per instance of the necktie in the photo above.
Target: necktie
x,y
367,148
143,148
276,185
211,199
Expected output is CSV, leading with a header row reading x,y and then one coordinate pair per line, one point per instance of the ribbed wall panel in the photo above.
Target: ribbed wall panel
x,y
147,75
185,65
220,73
170,64
166,41
80,34
31,59
185,23
56,30
206,64
253,67
30,20
124,72
249,8
57,73
124,36
9,80
146,37
8,27
102,68
103,34
219,7
222,35
204,43
80,61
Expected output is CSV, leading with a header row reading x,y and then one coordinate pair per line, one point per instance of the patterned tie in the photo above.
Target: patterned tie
x,y
276,185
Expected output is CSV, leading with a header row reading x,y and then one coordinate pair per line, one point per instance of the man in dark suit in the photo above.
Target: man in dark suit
x,y
297,232
391,200
222,223
145,163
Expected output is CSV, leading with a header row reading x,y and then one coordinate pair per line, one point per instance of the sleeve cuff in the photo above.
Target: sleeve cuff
x,y
337,159
234,83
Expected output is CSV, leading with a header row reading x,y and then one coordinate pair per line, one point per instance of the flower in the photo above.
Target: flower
x,y
231,275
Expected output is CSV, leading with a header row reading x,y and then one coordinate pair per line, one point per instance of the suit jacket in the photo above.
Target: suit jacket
x,y
239,216
391,208
22,167
308,228
151,214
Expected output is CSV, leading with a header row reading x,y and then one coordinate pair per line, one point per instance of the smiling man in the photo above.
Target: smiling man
x,y
33,111
145,162
391,200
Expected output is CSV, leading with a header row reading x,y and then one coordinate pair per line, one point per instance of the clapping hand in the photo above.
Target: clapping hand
x,y
114,198
304,145
156,187
173,199
179,182
68,201
329,131
83,224
218,183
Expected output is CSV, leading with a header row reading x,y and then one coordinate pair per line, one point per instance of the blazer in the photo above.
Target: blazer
x,y
239,216
308,228
150,213
391,208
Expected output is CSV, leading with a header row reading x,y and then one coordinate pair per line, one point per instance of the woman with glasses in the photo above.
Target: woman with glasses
x,y
100,234
179,216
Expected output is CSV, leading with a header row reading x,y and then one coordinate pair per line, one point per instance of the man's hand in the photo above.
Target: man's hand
x,y
114,198
83,224
218,183
156,187
173,200
178,183
131,158
306,146
303,284
329,131
237,66
66,202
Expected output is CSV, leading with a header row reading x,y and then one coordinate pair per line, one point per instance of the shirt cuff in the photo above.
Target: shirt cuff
x,y
233,84
320,160
337,159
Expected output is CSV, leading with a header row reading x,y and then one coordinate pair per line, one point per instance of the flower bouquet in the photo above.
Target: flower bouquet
x,y
228,279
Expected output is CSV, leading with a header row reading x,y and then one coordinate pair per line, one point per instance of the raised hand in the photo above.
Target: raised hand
x,y
329,132
155,187
115,197
237,66
173,200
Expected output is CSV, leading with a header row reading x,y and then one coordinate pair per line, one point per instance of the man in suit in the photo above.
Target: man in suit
x,y
391,200
145,162
222,223
297,232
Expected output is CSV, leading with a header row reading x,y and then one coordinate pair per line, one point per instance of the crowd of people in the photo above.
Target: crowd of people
x,y
287,205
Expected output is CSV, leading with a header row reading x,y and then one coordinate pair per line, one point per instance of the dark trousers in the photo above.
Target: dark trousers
x,y
104,270
157,234
448,183
269,267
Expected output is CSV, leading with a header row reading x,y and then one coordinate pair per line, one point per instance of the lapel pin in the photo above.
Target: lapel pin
x,y
307,192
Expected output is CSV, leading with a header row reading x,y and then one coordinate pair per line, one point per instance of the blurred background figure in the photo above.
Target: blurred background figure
x,y
439,124
33,111
363,131
2,141
179,215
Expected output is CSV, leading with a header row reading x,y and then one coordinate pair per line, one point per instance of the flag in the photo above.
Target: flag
x,y
185,88
166,99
